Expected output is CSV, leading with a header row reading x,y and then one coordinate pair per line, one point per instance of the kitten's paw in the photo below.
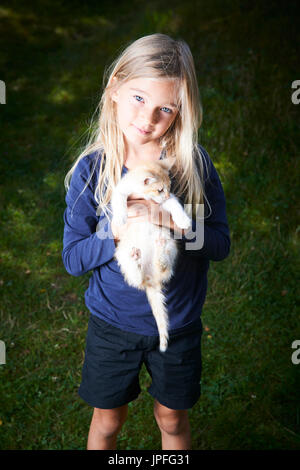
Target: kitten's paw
x,y
183,221
135,253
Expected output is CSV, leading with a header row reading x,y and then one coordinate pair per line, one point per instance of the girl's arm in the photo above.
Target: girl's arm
x,y
84,248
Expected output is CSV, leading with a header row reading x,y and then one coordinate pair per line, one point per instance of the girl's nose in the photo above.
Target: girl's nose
x,y
149,116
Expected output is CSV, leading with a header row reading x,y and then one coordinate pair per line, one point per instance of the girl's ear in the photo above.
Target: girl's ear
x,y
167,163
114,93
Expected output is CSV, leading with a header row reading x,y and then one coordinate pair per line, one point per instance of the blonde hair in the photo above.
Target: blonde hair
x,y
161,57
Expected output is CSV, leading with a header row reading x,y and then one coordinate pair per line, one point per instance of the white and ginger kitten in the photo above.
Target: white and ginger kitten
x,y
146,253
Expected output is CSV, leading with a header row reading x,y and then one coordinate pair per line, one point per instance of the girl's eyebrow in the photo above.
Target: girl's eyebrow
x,y
145,93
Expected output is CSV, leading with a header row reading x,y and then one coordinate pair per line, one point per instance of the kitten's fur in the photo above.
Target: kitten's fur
x,y
146,253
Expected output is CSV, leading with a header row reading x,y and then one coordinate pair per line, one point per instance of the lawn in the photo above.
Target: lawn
x,y
52,61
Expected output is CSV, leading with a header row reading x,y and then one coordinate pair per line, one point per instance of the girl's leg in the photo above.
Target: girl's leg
x,y
174,427
105,426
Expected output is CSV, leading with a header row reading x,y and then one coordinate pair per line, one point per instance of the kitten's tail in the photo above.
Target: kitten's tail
x,y
157,302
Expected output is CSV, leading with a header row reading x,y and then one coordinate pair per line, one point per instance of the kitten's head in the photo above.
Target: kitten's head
x,y
155,179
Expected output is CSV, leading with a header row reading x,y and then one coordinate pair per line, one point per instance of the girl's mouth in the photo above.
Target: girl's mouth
x,y
143,132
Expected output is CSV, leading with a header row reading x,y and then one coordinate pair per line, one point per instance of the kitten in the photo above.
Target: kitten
x,y
146,253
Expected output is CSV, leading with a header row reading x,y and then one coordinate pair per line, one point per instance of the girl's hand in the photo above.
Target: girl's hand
x,y
140,210
137,211
133,215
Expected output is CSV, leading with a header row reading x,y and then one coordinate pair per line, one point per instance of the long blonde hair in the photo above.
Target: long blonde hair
x,y
155,56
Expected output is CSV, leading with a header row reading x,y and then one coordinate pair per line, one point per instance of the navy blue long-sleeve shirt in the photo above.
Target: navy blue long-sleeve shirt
x,y
108,295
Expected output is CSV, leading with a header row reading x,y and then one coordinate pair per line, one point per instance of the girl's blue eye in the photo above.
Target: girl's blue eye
x,y
138,98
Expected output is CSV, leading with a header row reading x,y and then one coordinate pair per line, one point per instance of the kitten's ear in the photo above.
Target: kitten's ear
x,y
167,163
149,180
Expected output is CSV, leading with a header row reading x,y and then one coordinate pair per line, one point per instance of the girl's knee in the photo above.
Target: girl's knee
x,y
172,422
109,422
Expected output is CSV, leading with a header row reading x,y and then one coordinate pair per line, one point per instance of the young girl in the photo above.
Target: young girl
x,y
149,110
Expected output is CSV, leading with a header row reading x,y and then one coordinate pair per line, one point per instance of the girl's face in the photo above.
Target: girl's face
x,y
146,108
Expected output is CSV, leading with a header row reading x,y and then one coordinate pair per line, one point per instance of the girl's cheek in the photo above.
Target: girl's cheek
x,y
134,104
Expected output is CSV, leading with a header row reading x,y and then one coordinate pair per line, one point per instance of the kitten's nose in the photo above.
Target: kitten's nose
x,y
167,195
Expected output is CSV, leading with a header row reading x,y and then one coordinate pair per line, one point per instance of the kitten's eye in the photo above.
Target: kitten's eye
x,y
160,190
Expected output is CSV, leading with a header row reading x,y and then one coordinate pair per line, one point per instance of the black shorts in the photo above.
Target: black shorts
x,y
113,360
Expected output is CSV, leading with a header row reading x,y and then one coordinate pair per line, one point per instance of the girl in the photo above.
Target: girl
x,y
149,110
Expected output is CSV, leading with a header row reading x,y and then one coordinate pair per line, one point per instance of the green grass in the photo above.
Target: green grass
x,y
246,59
